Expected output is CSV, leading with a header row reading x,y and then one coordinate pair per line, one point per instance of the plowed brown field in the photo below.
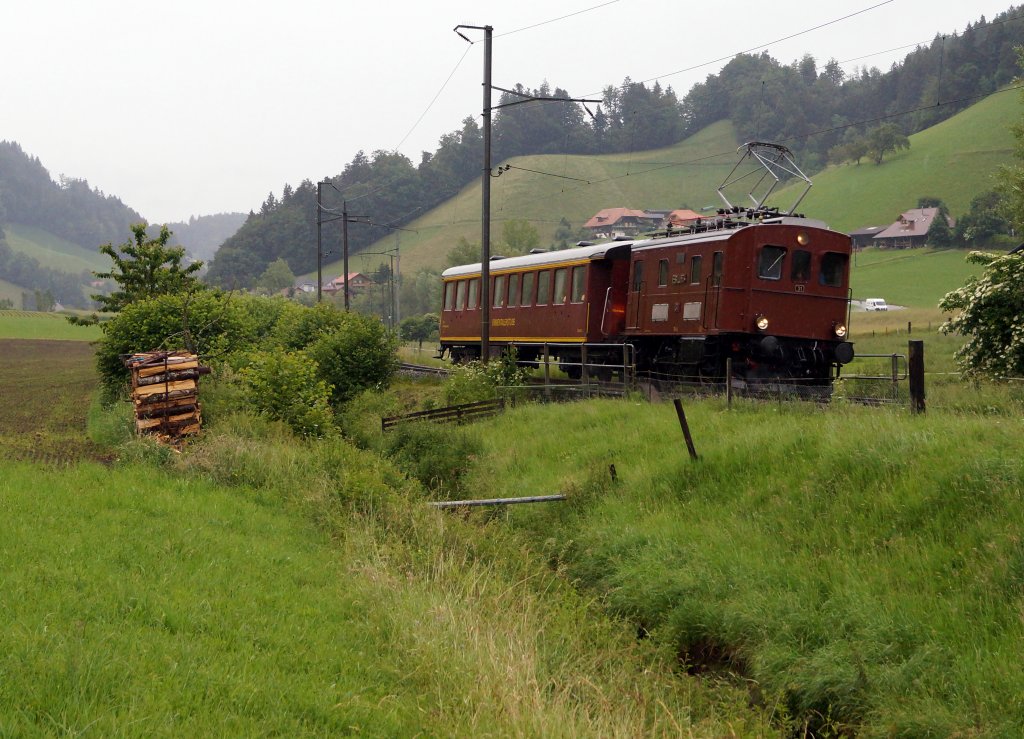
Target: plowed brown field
x,y
45,390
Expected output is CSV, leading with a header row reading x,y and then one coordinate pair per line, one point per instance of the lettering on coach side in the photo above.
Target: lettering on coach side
x,y
503,322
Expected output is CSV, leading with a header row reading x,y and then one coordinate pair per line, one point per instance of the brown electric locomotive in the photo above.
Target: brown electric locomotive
x,y
769,292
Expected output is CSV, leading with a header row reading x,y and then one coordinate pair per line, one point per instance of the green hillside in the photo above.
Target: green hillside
x,y
10,291
954,160
54,252
917,278
649,179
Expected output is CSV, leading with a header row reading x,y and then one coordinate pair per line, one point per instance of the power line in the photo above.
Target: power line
x,y
554,20
434,99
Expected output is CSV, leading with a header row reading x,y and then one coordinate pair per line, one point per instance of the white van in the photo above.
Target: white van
x,y
875,304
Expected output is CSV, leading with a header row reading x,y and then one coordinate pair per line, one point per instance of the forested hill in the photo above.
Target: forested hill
x,y
68,208
202,235
815,108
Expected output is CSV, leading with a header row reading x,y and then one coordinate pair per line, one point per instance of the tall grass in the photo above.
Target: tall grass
x,y
861,566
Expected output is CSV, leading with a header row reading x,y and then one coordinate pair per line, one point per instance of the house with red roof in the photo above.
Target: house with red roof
x,y
357,281
682,217
611,222
910,230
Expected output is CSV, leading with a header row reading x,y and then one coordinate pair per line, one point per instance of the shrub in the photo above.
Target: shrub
x,y
300,327
991,316
477,381
205,323
437,456
284,386
358,354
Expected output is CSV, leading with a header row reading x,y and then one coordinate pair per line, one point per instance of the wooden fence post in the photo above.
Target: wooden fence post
x,y
915,361
686,428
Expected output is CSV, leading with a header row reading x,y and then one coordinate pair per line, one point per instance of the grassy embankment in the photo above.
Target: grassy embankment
x,y
259,585
54,252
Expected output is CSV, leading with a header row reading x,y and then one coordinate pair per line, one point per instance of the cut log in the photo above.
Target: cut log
x,y
188,374
158,369
164,397
164,387
173,408
169,423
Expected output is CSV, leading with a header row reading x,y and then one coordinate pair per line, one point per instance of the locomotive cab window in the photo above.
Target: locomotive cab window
x,y
528,280
662,272
769,263
559,296
460,300
833,269
579,284
499,291
474,290
638,275
695,262
449,295
543,287
513,290
801,268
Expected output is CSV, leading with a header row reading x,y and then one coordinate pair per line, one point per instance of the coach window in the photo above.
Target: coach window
x,y
638,275
769,264
499,290
716,268
449,295
474,289
662,272
833,267
543,287
695,263
528,279
579,284
513,290
560,275
801,269
460,300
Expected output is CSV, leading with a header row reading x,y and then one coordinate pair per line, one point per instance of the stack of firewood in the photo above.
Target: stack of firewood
x,y
165,388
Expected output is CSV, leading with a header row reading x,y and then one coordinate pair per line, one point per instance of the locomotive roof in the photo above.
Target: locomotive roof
x,y
610,250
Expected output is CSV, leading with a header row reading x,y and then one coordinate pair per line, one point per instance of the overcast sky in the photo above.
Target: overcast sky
x,y
195,107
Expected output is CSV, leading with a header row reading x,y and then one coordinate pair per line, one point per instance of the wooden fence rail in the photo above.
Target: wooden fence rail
x,y
449,414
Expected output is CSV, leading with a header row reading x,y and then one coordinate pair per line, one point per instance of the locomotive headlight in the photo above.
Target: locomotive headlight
x,y
840,330
762,323
803,239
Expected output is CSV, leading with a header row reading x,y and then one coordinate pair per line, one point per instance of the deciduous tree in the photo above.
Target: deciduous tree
x,y
145,268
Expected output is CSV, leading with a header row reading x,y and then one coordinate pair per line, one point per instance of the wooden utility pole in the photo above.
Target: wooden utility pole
x,y
915,362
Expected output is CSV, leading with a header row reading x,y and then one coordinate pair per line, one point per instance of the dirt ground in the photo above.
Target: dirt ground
x,y
45,391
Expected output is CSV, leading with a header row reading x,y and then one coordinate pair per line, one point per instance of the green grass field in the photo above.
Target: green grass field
x,y
916,278
15,324
954,160
54,252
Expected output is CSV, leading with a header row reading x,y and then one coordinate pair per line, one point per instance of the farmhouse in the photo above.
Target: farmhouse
x,y
682,217
357,282
611,222
910,230
865,236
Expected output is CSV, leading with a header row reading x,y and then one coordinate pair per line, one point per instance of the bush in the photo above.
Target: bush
x,y
437,456
206,323
477,381
990,313
358,354
284,386
300,327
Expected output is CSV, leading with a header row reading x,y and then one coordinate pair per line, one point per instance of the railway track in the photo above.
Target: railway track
x,y
422,370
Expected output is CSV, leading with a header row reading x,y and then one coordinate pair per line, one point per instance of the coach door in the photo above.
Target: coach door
x,y
712,290
636,291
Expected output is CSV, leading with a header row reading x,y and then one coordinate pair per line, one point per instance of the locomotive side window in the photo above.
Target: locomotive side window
x,y
513,290
638,275
460,300
716,268
833,267
560,275
695,262
579,284
543,287
499,290
769,264
528,279
801,269
474,290
662,272
449,295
